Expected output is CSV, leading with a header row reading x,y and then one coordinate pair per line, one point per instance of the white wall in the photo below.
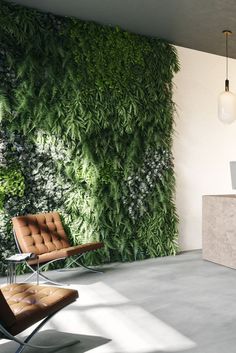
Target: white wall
x,y
203,146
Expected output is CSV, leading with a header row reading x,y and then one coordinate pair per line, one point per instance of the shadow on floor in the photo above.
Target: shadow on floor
x,y
51,337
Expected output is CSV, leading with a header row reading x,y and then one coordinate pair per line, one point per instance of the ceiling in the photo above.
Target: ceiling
x,y
195,24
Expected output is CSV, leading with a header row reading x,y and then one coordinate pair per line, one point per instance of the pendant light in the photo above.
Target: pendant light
x,y
226,100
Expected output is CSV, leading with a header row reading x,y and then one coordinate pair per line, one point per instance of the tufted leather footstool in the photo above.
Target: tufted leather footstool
x,y
22,305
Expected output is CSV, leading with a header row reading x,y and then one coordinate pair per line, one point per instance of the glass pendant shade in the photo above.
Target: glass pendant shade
x,y
227,107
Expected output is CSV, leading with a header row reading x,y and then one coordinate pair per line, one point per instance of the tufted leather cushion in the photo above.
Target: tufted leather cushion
x,y
40,233
63,253
31,303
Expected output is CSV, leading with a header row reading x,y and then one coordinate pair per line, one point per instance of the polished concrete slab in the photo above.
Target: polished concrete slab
x,y
173,304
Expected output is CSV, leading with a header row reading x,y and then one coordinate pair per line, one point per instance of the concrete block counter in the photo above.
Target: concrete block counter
x,y
219,229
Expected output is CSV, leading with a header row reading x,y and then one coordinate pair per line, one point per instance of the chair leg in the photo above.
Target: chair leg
x,y
44,277
25,343
51,281
79,263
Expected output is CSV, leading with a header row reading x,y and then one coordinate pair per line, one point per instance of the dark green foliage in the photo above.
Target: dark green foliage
x,y
87,118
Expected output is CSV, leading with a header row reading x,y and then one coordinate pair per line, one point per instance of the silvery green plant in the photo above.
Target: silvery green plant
x,y
142,183
52,146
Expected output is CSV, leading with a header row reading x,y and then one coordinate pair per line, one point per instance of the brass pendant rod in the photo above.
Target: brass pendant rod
x,y
227,32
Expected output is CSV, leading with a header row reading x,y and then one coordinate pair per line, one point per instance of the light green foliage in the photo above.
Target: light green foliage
x,y
95,105
11,184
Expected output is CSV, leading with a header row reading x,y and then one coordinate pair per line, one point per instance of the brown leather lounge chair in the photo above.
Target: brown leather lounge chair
x,y
43,234
22,305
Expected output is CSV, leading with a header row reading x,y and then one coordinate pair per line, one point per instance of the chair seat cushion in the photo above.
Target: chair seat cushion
x,y
31,303
65,252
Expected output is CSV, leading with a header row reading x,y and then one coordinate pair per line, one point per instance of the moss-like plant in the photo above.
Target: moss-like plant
x,y
11,184
91,107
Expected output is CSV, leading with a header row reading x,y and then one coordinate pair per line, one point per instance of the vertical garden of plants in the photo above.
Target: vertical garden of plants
x,y
86,129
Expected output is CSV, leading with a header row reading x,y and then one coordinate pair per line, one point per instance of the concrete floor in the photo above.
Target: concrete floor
x,y
188,302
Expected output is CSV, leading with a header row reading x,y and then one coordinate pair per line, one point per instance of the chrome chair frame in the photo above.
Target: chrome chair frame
x,y
38,269
23,344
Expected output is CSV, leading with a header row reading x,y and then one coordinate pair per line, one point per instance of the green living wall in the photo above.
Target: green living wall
x,y
86,129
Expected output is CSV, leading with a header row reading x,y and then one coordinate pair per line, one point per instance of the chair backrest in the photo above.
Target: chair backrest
x,y
7,318
40,233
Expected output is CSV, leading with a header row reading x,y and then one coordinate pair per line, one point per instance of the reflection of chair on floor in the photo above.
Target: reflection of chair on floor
x,y
22,305
43,234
